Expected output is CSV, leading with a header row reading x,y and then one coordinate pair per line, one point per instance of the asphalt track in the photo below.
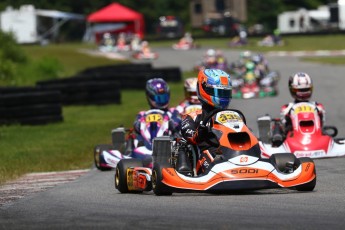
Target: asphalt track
x,y
91,202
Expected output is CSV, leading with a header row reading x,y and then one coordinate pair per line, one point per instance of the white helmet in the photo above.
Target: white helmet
x,y
211,52
301,86
190,85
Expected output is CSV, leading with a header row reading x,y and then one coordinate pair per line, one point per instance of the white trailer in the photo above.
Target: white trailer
x,y
304,20
24,23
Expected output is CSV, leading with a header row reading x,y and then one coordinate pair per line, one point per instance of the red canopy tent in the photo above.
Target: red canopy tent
x,y
116,12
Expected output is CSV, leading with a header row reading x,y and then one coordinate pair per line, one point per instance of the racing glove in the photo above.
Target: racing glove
x,y
202,132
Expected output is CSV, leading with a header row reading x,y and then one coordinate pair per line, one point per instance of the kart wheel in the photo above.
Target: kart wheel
x,y
280,160
121,173
310,185
98,159
158,187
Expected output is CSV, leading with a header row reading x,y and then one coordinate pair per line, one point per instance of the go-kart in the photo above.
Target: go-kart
x,y
185,46
250,87
221,64
126,144
306,138
145,56
237,166
121,48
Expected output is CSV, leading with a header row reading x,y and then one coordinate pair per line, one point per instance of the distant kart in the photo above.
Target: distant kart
x,y
202,65
126,145
121,48
306,139
143,56
239,167
185,46
266,87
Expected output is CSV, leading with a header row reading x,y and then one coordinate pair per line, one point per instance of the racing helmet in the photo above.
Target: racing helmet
x,y
301,86
214,88
257,58
210,53
190,90
106,35
246,55
157,93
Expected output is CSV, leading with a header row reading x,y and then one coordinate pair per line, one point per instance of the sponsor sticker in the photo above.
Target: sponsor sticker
x,y
316,153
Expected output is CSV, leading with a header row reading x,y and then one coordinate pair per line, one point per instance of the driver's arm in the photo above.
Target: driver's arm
x,y
188,129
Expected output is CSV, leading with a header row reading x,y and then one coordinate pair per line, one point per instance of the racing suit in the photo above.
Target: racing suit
x,y
173,114
193,135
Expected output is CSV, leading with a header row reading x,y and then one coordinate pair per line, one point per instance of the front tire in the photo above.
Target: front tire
x,y
121,182
158,187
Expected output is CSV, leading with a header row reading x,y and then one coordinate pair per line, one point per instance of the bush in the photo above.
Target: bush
x,y
48,67
11,55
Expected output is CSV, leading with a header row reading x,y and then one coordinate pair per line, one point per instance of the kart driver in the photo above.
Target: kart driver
x,y
214,91
301,89
191,102
158,97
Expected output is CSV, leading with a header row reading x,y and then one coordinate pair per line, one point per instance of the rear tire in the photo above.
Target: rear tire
x,y
158,187
121,173
310,185
97,156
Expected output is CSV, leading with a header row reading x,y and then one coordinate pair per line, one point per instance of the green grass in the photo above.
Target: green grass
x,y
69,144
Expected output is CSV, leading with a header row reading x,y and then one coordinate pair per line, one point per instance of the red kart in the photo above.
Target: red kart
x,y
145,56
306,139
185,46
239,166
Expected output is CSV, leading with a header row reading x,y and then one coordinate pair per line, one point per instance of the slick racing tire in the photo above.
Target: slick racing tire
x,y
98,159
279,161
158,187
310,185
121,182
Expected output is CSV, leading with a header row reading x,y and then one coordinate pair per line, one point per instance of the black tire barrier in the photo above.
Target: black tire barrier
x,y
126,80
29,98
24,111
29,106
86,92
118,68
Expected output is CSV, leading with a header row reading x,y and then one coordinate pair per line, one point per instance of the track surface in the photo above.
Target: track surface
x,y
91,201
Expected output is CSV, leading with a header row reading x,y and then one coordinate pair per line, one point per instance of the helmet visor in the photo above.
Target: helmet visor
x,y
217,91
161,99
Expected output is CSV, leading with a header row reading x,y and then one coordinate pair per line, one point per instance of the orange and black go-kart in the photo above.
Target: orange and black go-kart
x,y
238,167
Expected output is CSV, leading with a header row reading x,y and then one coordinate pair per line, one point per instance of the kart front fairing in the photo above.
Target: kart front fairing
x,y
239,173
306,139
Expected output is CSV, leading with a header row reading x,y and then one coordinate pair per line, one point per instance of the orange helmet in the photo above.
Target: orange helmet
x,y
214,88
